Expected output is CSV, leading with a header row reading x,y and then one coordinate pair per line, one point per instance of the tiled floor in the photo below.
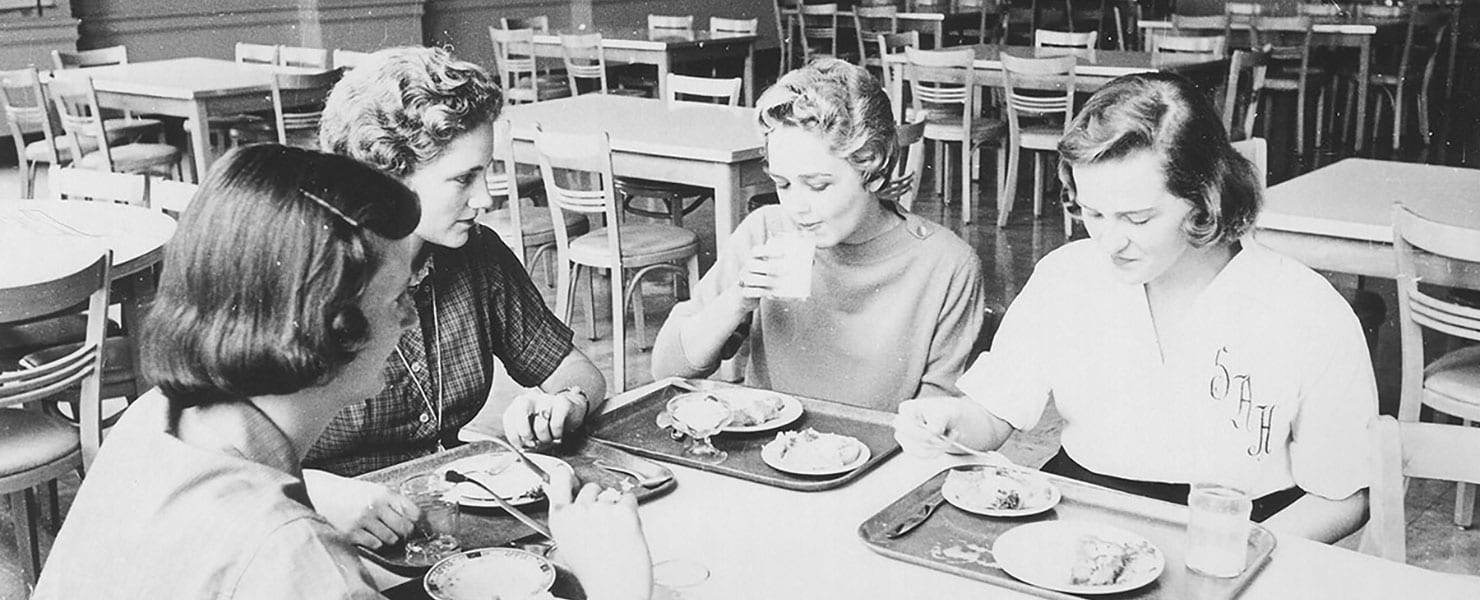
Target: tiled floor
x,y
1009,254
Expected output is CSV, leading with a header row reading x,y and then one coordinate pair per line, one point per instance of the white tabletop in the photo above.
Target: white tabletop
x,y
1353,198
1317,27
186,78
705,132
44,239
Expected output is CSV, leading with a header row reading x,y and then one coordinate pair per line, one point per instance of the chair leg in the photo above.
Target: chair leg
x,y
591,303
1004,201
1464,498
966,155
564,289
22,510
639,315
53,498
1300,121
1037,185
28,185
619,332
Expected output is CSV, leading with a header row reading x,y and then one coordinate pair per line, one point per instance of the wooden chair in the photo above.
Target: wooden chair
x,y
1397,78
535,230
129,126
539,23
1192,26
1241,17
171,197
788,16
870,22
77,105
617,247
1450,383
1194,45
982,32
257,54
348,59
1404,449
663,26
294,125
39,448
585,58
909,164
1257,152
672,196
819,31
1290,70
89,184
1042,90
927,6
514,57
1243,93
721,26
24,103
1060,43
895,43
298,56
1087,16
942,87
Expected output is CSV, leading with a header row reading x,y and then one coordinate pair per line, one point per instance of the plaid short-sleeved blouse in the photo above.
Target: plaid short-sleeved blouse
x,y
485,307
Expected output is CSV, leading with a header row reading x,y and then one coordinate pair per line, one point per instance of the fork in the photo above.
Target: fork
x,y
991,456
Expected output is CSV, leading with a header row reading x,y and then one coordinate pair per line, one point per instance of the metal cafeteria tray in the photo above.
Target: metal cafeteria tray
x,y
488,527
633,427
959,542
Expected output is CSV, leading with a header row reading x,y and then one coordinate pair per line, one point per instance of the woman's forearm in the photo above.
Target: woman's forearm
x,y
689,345
1316,518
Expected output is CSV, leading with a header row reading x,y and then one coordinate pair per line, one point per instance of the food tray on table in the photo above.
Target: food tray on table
x,y
489,527
960,543
633,427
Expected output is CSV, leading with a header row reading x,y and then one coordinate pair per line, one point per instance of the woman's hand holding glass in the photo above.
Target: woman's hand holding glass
x,y
372,515
600,538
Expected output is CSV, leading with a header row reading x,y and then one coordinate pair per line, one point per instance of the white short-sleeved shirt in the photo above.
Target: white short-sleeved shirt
x,y
1274,390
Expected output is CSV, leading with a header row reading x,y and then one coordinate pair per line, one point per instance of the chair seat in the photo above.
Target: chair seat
x,y
1041,137
1456,375
134,158
119,130
117,365
538,230
950,128
29,439
648,188
127,128
642,244
18,340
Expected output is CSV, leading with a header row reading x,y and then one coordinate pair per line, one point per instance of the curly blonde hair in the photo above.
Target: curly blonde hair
x,y
845,105
402,106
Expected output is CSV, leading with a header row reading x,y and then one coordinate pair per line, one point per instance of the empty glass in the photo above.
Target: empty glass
x,y
435,535
678,579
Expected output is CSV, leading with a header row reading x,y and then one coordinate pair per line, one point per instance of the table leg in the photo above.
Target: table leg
x,y
663,68
728,206
940,34
1364,67
750,74
201,139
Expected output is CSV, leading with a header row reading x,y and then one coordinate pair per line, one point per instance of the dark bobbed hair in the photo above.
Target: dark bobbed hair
x,y
845,105
401,107
1167,115
262,283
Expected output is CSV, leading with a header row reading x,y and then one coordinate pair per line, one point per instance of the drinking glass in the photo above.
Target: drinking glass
x,y
1217,529
435,535
678,579
792,253
699,416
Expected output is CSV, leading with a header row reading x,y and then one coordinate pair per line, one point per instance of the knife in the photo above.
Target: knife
x,y
918,517
647,473
456,477
524,458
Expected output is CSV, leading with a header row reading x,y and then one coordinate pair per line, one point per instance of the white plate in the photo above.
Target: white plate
x,y
1043,554
771,453
477,497
489,573
791,409
1036,492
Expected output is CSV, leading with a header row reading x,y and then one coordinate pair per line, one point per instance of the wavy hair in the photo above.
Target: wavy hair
x,y
263,280
401,107
1166,114
845,105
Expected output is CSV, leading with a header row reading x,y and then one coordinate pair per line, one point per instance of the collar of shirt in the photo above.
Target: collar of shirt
x,y
243,430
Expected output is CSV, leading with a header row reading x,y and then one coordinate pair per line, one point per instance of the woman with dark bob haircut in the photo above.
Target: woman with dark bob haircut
x,y
881,273
1176,348
283,291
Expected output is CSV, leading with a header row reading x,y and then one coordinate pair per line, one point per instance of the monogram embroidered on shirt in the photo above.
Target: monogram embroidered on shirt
x,y
1256,420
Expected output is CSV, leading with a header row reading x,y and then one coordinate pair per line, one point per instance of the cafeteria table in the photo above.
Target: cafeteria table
x,y
632,45
706,145
760,541
41,239
194,88
1339,218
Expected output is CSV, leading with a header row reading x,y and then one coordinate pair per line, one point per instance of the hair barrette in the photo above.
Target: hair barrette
x,y
329,207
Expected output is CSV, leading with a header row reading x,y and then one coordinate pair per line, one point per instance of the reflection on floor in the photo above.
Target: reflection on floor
x,y
1009,255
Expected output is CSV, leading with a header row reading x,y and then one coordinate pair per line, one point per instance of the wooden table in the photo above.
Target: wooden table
x,y
706,145
927,23
194,88
765,542
631,45
1329,34
45,239
1339,218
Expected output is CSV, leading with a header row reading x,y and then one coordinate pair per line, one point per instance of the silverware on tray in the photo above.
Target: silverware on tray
x,y
917,517
543,474
456,477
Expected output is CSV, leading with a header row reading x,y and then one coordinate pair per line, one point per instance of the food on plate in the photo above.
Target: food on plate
x,y
702,416
1105,562
749,410
997,489
507,476
495,576
810,450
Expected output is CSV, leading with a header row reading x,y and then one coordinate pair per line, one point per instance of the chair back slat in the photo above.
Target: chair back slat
x,y
1209,45
23,100
260,54
1045,38
584,59
577,170
1400,450
301,121
348,59
513,52
1429,250
540,23
503,182
1243,92
721,26
41,381
1038,87
665,25
819,29
871,22
172,197
98,57
77,108
88,184
297,56
718,91
909,164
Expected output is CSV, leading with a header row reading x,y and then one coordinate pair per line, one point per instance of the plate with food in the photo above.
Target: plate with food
x,y
997,491
490,573
504,473
810,452
754,411
1078,557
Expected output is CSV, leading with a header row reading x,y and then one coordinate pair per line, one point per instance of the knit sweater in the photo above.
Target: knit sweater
x,y
890,319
